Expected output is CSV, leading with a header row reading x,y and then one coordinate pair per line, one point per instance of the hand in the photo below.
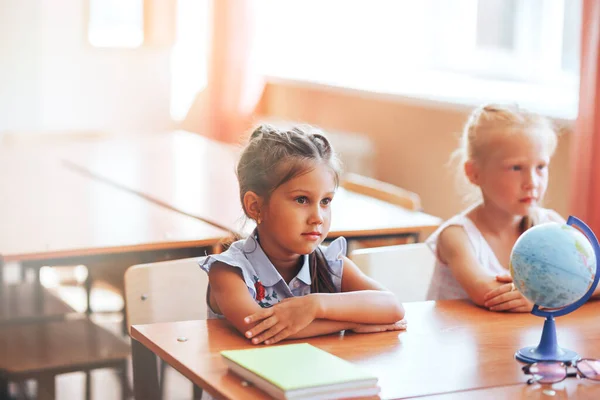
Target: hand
x,y
373,328
507,298
282,320
504,278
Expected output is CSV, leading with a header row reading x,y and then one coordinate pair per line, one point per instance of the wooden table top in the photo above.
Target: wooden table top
x,y
196,176
68,345
450,346
49,211
25,302
581,389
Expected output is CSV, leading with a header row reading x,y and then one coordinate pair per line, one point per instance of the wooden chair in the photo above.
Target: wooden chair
x,y
43,350
382,191
405,269
166,291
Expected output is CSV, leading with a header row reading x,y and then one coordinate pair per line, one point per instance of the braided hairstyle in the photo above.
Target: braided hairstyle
x,y
274,156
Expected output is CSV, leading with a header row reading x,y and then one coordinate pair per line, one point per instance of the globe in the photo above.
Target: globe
x,y
553,265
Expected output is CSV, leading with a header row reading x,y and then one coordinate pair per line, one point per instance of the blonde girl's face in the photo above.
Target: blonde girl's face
x,y
297,216
513,172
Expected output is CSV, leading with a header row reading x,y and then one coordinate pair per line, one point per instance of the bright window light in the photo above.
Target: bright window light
x,y
189,56
464,51
116,23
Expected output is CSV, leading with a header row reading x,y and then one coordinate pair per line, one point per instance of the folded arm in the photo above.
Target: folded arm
x,y
362,300
229,296
455,250
364,306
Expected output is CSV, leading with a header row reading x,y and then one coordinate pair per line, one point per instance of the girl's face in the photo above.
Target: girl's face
x,y
297,216
513,174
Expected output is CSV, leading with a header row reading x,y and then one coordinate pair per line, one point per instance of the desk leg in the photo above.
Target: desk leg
x,y
145,372
3,387
1,272
39,290
124,382
46,387
197,392
88,293
88,384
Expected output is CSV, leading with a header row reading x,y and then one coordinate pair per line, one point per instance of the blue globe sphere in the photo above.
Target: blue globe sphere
x,y
553,265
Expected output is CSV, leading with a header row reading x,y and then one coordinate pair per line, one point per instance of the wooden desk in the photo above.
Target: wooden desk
x,y
46,341
53,216
43,350
48,211
568,389
450,346
25,302
196,176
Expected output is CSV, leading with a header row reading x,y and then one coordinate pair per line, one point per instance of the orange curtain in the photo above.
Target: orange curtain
x,y
224,110
585,148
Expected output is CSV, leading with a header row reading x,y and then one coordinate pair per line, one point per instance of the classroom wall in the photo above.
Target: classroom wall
x,y
413,139
51,79
20,51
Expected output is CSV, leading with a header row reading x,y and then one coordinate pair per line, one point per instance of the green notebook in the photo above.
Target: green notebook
x,y
297,371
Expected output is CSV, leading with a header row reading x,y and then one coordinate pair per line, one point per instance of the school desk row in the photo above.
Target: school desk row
x,y
53,216
146,198
56,212
196,176
451,350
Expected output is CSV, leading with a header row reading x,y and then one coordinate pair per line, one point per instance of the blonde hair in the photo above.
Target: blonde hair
x,y
490,121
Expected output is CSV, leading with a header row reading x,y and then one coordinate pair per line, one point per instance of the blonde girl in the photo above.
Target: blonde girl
x,y
504,152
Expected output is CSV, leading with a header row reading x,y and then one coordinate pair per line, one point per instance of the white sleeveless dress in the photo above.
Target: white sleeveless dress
x,y
443,284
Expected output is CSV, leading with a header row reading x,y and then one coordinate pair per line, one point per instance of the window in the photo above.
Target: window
x,y
116,23
334,40
189,56
520,40
464,51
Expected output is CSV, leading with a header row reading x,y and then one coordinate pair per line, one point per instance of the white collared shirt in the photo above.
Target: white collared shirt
x,y
264,283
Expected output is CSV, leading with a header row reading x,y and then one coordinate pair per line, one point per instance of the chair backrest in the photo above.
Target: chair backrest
x,y
165,291
382,191
405,269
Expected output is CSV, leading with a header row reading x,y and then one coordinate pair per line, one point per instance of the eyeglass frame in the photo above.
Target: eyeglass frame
x,y
567,364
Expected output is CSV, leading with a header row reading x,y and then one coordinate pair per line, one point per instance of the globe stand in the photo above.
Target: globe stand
x,y
548,349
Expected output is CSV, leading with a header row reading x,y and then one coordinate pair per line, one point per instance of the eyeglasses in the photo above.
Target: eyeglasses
x,y
556,371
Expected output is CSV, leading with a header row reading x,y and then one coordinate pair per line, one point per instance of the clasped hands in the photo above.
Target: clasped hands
x,y
506,297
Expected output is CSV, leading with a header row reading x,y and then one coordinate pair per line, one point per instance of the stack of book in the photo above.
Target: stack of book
x,y
300,371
